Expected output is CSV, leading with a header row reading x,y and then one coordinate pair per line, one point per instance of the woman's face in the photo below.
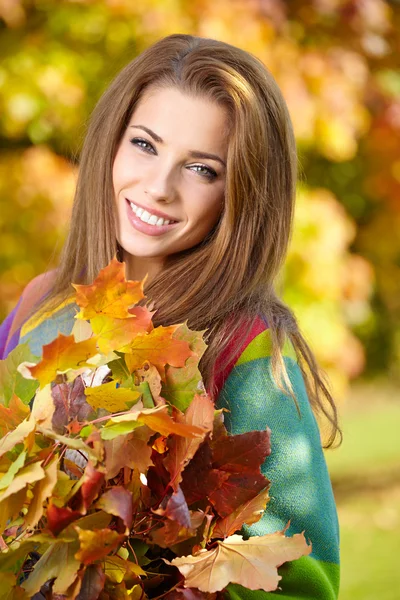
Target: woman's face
x,y
169,174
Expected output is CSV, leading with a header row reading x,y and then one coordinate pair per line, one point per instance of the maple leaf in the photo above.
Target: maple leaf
x,y
156,418
29,474
10,508
110,293
158,347
118,502
9,441
58,517
250,512
70,403
172,533
181,384
111,398
40,493
115,334
93,480
11,380
181,450
57,562
61,355
12,416
130,450
251,563
115,569
199,479
95,545
93,580
174,507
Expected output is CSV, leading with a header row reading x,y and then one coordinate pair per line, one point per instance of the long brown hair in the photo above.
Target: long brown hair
x,y
231,276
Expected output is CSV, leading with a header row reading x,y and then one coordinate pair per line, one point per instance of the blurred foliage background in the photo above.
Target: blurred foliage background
x,y
337,63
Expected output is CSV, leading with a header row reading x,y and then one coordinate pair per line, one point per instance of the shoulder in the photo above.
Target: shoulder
x,y
33,292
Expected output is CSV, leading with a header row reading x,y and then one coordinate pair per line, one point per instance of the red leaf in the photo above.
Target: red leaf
x,y
59,517
92,584
199,478
236,490
243,452
91,486
117,501
175,508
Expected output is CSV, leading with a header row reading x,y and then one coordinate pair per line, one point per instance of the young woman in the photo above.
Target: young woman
x,y
188,174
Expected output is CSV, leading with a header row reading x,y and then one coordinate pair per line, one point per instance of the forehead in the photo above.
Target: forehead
x,y
193,122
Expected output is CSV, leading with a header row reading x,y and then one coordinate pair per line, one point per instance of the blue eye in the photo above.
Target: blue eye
x,y
206,171
143,144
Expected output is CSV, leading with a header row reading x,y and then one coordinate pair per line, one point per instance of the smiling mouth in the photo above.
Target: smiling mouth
x,y
148,217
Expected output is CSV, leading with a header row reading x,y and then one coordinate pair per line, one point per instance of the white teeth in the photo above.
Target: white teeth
x,y
153,220
146,217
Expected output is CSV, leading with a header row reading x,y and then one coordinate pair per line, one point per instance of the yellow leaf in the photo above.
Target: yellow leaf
x,y
29,474
251,563
110,293
17,436
111,398
42,490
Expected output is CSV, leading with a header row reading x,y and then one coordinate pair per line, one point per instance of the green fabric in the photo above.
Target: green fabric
x,y
300,490
303,579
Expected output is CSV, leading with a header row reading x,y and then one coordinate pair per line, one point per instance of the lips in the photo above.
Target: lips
x,y
142,227
153,211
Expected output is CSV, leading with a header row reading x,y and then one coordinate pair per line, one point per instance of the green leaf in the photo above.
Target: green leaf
x,y
11,381
12,471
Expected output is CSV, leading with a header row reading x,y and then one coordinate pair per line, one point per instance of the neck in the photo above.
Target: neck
x,y
138,267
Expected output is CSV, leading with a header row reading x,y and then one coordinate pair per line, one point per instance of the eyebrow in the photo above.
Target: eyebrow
x,y
192,153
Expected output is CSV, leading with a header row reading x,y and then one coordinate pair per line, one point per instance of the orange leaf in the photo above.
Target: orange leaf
x,y
63,354
158,347
200,413
110,293
96,544
13,415
251,563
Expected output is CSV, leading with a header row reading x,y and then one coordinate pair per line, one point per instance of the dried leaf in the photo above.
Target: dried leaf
x,y
63,354
251,563
70,403
118,502
12,416
130,451
95,545
200,413
41,492
111,398
58,517
158,347
110,293
250,512
115,569
16,436
57,562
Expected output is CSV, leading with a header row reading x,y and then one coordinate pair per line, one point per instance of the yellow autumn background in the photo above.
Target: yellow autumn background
x,y
337,63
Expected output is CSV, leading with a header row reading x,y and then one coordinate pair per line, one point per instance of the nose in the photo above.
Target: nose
x,y
161,184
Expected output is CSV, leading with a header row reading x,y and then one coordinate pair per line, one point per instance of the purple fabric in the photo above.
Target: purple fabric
x,y
5,327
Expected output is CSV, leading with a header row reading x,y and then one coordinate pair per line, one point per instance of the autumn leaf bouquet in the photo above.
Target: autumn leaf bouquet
x,y
118,478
